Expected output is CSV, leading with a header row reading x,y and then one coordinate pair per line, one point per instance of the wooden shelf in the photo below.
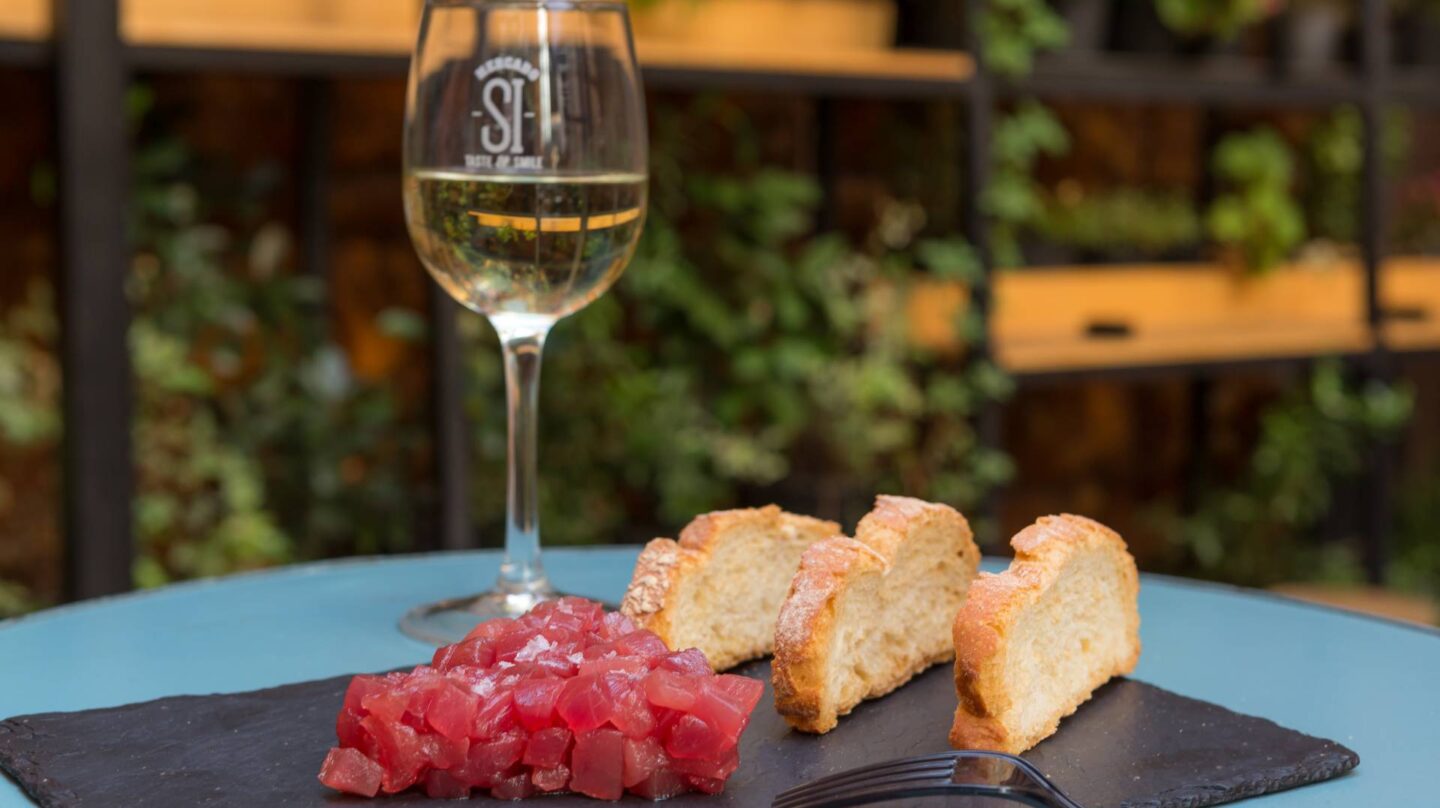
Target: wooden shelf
x,y
24,30
25,19
273,36
261,36
1052,320
894,71
1410,291
1181,348
176,43
1061,320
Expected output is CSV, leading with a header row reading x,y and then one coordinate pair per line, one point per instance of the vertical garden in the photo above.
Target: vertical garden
x,y
797,326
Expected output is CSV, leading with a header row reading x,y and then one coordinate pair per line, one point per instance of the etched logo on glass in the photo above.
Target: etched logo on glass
x,y
504,87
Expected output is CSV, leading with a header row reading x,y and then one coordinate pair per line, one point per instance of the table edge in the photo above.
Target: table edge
x,y
1265,594
302,568
312,567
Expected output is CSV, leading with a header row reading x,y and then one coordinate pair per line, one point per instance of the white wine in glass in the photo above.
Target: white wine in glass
x,y
529,244
525,192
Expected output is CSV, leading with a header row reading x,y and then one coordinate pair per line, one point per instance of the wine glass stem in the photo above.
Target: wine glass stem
x,y
522,340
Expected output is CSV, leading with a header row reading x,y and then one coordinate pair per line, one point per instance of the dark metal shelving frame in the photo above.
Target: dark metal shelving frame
x,y
1375,77
1235,82
818,85
176,59
1155,371
92,65
94,190
25,53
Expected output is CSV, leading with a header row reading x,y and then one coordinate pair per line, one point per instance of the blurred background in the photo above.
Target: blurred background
x,y
1174,264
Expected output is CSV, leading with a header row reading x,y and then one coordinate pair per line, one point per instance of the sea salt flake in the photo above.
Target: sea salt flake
x,y
537,646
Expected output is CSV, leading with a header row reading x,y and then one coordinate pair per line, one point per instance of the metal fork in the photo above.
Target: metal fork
x,y
972,773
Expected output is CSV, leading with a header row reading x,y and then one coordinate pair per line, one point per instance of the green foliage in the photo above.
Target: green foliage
x,y
1153,222
1014,200
29,374
255,444
1256,215
199,510
1336,154
15,600
199,507
1224,19
1015,30
1255,532
1336,157
741,357
29,402
1417,219
1415,564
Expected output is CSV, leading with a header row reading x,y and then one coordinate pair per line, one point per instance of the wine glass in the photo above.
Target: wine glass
x,y
525,185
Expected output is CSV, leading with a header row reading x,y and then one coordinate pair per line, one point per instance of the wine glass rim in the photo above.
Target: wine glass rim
x,y
607,5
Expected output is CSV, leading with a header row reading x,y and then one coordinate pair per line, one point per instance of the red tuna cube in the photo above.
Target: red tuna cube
x,y
642,759
662,784
553,779
548,748
535,702
565,697
348,770
598,764
441,785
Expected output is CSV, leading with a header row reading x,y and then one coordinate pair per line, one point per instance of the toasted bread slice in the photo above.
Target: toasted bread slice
x,y
866,614
1034,642
719,588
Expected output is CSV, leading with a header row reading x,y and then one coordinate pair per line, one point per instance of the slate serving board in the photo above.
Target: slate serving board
x,y
1132,746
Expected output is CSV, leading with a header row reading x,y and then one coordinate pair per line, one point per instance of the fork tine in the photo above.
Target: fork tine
x,y
927,769
936,767
841,781
879,783
945,758
876,793
938,772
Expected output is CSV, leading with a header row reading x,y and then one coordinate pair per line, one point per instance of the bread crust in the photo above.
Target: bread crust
x,y
652,586
995,602
805,634
665,566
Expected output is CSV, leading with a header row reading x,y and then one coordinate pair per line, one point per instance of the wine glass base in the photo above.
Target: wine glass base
x,y
449,621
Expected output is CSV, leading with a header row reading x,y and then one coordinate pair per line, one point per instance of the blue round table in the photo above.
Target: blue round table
x,y
1370,684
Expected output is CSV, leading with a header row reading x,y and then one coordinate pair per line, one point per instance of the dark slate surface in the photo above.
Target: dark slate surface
x,y
1133,745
